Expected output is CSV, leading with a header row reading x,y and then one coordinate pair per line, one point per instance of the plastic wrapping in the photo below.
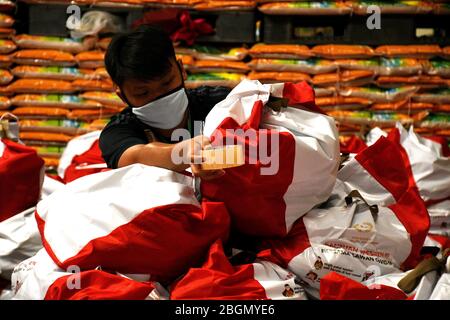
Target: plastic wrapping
x,y
340,51
31,112
306,8
44,58
5,77
280,51
344,78
45,136
400,66
55,43
5,103
94,22
7,46
310,66
403,105
59,73
90,59
40,86
410,51
54,100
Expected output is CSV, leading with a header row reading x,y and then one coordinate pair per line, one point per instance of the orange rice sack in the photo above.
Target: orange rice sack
x,y
45,136
442,108
225,5
54,101
267,77
7,46
5,61
41,111
90,114
306,8
422,81
91,59
347,77
341,51
343,103
446,53
5,103
104,43
5,77
58,73
56,43
186,60
6,20
309,66
44,58
220,66
280,51
402,105
411,51
93,85
7,32
392,7
106,98
40,86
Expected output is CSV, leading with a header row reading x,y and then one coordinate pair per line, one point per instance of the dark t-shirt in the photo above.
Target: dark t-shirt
x,y
126,130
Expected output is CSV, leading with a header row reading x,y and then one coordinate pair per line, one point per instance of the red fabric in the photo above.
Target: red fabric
x,y
20,178
98,285
244,188
442,240
353,145
217,279
386,162
177,23
162,241
91,156
337,287
443,142
282,251
301,94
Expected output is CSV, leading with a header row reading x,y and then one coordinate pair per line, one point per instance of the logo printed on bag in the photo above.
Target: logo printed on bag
x,y
363,227
318,264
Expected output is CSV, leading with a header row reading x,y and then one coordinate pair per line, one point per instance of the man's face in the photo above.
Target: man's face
x,y
139,93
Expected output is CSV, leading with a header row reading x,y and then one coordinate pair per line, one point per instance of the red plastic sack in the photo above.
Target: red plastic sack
x,y
21,176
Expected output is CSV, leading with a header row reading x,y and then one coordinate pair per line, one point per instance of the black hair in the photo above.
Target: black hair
x,y
145,53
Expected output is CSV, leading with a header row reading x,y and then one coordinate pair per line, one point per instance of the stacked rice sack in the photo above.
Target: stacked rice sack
x,y
208,65
7,47
60,90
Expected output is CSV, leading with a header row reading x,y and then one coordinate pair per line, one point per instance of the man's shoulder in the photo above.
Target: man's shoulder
x,y
208,92
123,117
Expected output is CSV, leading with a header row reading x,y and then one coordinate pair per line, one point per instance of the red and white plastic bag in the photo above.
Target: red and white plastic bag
x,y
39,278
291,156
356,239
218,279
137,219
21,177
81,157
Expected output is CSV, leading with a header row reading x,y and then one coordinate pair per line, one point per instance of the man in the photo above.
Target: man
x,y
150,80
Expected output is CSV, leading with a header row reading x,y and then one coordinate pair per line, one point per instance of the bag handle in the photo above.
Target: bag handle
x,y
409,282
356,194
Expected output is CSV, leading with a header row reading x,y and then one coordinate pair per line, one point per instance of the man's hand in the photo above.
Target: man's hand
x,y
198,144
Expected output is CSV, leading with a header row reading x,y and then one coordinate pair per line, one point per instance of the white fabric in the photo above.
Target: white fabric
x,y
442,289
237,105
316,158
440,214
430,169
426,286
273,278
2,148
134,189
49,186
374,135
75,147
19,240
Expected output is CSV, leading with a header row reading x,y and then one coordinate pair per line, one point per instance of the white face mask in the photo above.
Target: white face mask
x,y
164,113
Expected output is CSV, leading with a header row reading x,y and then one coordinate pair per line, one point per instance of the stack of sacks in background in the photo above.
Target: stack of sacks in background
x,y
361,86
208,65
7,46
61,89
202,4
342,7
